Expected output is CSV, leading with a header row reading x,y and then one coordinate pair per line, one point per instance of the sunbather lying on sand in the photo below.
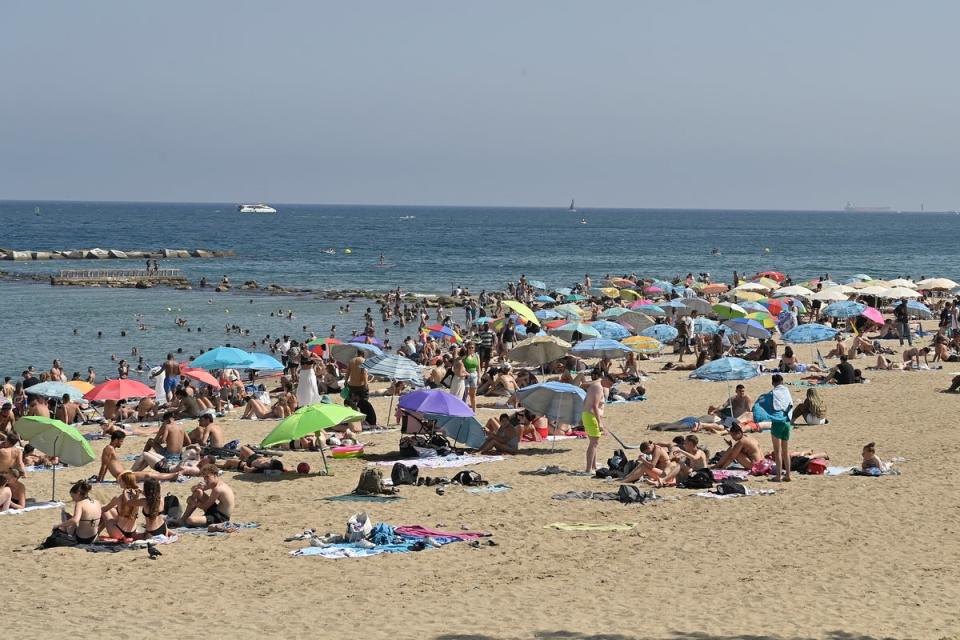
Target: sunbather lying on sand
x,y
707,423
249,461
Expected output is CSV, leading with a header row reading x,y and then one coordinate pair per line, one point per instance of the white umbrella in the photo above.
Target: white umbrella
x,y
753,286
829,295
873,290
900,292
937,283
901,282
795,290
698,304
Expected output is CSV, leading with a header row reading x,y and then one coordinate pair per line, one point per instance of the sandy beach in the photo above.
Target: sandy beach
x,y
841,557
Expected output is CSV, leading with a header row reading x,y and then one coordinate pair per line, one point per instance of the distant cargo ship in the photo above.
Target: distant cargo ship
x,y
852,208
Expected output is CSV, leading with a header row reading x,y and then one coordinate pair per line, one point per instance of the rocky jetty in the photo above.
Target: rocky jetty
x,y
97,253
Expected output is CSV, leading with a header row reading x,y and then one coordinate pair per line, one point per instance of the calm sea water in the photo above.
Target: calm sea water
x,y
432,250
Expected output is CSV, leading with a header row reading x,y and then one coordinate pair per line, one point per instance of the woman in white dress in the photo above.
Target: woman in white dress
x,y
307,391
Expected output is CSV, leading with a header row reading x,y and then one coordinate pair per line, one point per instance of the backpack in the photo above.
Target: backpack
x,y
171,507
700,479
469,479
816,467
729,486
617,460
371,483
402,474
630,494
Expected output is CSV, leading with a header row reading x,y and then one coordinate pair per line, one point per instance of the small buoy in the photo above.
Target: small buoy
x,y
766,249
348,250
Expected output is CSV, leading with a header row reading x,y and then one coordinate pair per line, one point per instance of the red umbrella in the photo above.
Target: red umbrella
x,y
774,305
200,376
319,346
773,275
119,389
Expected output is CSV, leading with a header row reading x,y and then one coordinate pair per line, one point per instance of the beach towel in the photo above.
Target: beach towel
x,y
493,488
351,550
447,462
559,438
803,384
419,531
838,471
749,493
355,497
589,526
34,506
115,546
720,474
40,468
607,496
202,531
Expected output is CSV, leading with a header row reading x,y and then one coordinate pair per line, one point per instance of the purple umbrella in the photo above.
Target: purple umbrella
x,y
436,402
373,341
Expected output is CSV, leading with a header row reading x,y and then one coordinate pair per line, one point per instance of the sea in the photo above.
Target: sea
x,y
428,249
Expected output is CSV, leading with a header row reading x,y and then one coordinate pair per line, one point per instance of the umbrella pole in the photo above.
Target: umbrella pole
x,y
53,490
390,410
323,455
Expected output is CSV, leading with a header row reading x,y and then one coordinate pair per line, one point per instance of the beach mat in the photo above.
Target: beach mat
x,y
590,526
493,488
202,531
749,494
36,506
354,497
444,462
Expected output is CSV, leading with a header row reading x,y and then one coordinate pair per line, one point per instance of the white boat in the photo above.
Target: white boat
x,y
583,221
255,208
572,208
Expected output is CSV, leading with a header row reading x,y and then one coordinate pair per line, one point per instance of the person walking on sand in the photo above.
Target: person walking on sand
x,y
592,417
902,314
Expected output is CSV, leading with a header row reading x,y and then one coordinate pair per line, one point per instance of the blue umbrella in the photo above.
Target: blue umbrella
x,y
705,326
754,306
574,297
614,312
547,314
918,308
555,400
810,333
675,303
566,331
537,284
466,430
600,348
564,291
54,389
544,299
662,332
394,367
652,308
844,309
726,369
264,362
748,327
610,330
346,352
484,320
223,358
435,401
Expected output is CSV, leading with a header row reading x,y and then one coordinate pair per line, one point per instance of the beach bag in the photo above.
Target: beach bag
x,y
730,486
630,494
816,467
403,474
469,479
358,527
371,483
617,460
171,507
59,538
700,479
762,467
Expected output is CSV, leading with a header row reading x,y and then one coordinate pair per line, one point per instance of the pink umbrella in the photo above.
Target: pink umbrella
x,y
873,314
652,289
640,303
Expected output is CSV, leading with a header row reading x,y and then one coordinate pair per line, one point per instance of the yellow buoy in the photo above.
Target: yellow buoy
x,y
348,250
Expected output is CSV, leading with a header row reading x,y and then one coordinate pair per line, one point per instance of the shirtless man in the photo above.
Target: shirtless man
x,y
110,461
743,449
213,497
734,407
11,455
208,434
592,417
357,380
169,441
68,411
38,407
171,370
656,468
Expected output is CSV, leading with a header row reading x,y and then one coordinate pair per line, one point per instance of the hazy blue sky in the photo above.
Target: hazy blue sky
x,y
644,104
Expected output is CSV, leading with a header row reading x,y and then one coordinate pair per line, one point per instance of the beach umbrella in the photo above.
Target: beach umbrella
x,y
435,401
873,290
199,375
613,313
223,358
544,299
539,350
630,294
538,284
82,385
727,310
366,340
320,345
262,362
698,304
675,304
748,295
652,308
563,291
120,389
610,330
763,318
873,314
714,289
773,275
653,289
55,389
610,292
860,276
308,420
466,430
918,308
770,283
753,286
705,326
900,292
547,314
643,344
600,348
482,320
795,290
661,332
748,327
621,282
344,353
442,332
810,333
726,369
774,306
834,294
903,282
574,297
555,400
567,330
56,438
570,311
844,309
395,368
636,320
751,307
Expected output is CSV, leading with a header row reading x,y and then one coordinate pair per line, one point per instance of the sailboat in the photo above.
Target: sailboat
x,y
572,208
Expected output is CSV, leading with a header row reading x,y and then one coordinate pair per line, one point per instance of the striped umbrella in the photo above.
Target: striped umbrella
x,y
394,367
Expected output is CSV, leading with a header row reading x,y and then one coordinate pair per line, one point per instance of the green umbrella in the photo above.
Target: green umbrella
x,y
56,438
308,420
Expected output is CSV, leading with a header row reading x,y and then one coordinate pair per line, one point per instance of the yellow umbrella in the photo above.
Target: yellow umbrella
x,y
630,294
752,296
610,292
763,318
643,344
522,310
82,385
770,283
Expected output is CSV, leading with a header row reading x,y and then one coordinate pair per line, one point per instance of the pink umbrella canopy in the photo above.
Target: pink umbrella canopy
x,y
873,314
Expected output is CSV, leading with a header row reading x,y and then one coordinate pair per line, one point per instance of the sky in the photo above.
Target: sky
x,y
749,104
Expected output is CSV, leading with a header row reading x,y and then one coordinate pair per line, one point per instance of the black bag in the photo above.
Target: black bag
x,y
730,485
798,464
617,460
59,538
469,479
171,507
630,494
603,472
627,467
402,474
700,479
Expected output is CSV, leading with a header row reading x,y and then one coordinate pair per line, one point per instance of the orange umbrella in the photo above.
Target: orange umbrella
x,y
715,288
81,385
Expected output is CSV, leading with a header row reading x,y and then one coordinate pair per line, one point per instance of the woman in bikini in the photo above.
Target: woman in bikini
x,y
120,514
151,505
86,514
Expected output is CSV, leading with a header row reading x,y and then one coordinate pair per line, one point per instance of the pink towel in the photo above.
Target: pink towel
x,y
423,532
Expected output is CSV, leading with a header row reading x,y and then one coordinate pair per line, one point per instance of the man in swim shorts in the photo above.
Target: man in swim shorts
x,y
592,417
213,497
